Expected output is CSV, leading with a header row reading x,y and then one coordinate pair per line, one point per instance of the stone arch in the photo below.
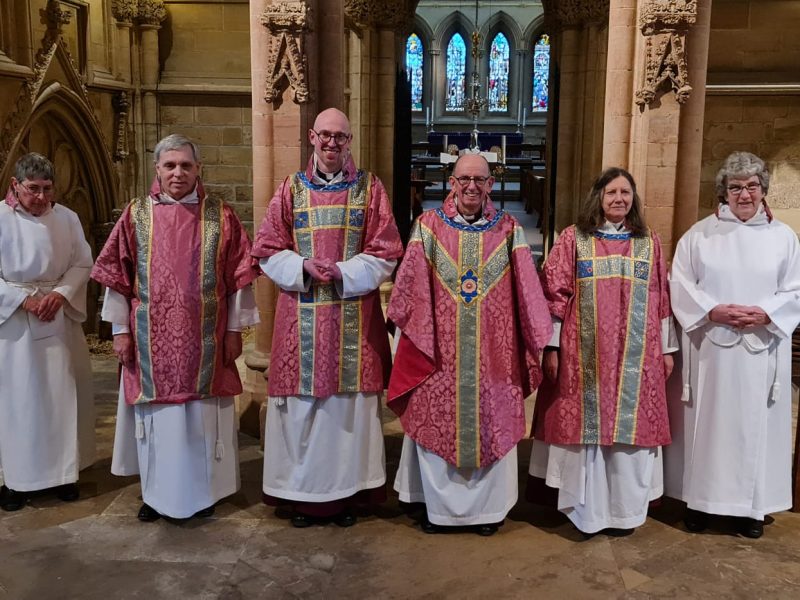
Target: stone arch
x,y
502,22
62,127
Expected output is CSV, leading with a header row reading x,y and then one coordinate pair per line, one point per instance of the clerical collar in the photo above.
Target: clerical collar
x,y
476,219
323,178
190,198
609,227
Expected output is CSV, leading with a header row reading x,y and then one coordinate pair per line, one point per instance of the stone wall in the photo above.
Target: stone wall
x,y
753,96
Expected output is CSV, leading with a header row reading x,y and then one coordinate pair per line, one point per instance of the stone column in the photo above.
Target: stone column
x,y
287,41
125,12
646,95
579,37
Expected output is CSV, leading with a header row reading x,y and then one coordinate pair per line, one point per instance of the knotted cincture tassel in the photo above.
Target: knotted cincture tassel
x,y
687,393
219,447
775,392
139,429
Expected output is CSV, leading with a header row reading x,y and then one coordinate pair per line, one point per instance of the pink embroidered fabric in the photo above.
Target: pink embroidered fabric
x,y
322,328
511,325
559,416
174,303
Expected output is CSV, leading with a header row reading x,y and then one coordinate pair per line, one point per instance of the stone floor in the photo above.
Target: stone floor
x,y
96,548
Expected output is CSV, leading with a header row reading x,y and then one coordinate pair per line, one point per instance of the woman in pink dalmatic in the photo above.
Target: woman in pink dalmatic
x,y
601,412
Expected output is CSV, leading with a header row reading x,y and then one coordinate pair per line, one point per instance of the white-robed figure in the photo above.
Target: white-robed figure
x,y
735,287
46,398
178,270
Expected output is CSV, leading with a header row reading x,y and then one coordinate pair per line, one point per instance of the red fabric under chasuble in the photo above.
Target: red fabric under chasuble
x,y
324,344
474,320
177,263
611,293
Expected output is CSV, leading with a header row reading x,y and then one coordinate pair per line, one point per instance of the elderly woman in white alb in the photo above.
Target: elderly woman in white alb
x,y
735,287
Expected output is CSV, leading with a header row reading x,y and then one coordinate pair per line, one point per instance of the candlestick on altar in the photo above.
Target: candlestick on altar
x,y
503,147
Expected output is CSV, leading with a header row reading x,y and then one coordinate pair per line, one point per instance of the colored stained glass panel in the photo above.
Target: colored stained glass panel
x,y
498,74
414,59
541,73
456,73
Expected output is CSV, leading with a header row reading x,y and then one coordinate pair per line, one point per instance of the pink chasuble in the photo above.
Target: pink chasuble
x,y
611,293
177,263
469,303
324,344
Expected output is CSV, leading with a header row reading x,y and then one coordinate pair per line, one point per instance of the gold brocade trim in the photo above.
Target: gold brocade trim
x,y
142,216
586,309
211,232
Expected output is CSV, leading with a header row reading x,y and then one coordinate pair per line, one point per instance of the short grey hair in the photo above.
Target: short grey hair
x,y
175,141
34,166
741,165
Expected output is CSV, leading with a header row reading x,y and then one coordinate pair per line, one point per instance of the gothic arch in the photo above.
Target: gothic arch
x,y
501,22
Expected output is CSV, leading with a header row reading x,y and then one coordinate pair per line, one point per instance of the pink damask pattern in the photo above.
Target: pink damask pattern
x,y
380,239
559,416
172,299
514,325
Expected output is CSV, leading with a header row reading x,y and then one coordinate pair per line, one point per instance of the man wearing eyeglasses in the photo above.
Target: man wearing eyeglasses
x,y
46,400
474,321
328,241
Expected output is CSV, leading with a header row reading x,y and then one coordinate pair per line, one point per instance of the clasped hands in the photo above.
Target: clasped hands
x,y
44,307
323,270
738,316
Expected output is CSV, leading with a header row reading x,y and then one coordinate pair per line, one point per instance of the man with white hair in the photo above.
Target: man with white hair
x,y
178,270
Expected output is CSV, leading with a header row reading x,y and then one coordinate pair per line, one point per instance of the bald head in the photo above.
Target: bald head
x,y
474,163
331,139
472,182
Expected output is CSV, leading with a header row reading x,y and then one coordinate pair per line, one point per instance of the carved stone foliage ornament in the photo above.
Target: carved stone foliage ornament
x,y
287,23
144,12
125,11
566,14
664,23
121,107
397,15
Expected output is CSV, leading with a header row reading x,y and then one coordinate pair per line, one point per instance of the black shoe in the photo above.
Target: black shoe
x,y
695,520
427,526
301,521
486,529
147,514
205,513
616,532
11,500
346,518
751,528
68,492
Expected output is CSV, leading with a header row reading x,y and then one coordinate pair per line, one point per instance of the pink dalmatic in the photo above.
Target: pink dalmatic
x,y
324,344
468,301
177,264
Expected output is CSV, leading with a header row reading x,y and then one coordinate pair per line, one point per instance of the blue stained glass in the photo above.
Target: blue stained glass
x,y
498,74
541,73
414,59
456,73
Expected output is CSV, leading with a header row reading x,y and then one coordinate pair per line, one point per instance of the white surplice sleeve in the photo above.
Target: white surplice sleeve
x,y
11,298
72,284
116,310
242,309
286,269
690,303
783,307
362,274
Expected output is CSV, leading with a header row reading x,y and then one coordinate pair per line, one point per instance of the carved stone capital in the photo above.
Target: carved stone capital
x,y
56,16
151,12
125,11
664,24
397,15
659,16
571,14
287,64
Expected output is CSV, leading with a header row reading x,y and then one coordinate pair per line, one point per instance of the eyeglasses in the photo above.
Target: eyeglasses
x,y
35,190
325,136
464,180
736,190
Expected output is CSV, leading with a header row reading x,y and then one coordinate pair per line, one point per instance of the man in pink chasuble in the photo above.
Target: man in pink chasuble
x,y
177,269
328,241
474,321
601,412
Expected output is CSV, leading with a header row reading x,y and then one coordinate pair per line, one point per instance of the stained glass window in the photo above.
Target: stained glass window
x,y
498,74
414,58
541,72
456,73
